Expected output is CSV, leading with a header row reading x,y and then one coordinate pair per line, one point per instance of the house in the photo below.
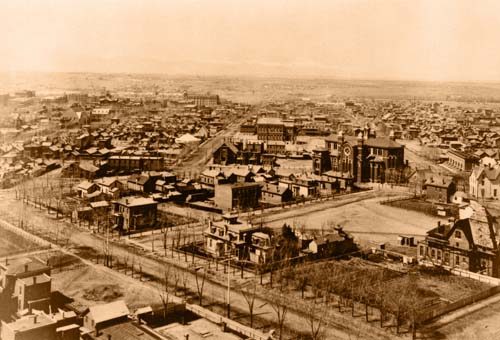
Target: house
x,y
229,236
240,196
141,183
110,186
86,188
96,318
210,178
274,194
332,244
133,213
300,185
484,181
440,189
89,171
261,248
469,243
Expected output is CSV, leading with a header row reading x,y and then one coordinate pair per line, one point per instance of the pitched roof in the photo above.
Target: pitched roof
x,y
85,185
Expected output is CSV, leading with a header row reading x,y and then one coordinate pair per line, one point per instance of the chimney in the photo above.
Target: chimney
x,y
26,267
34,280
109,336
35,318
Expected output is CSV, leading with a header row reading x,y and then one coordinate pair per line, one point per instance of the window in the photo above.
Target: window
x,y
433,253
421,250
457,260
458,234
439,255
495,192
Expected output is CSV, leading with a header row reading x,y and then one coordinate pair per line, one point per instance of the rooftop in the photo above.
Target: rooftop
x,y
30,322
108,311
133,201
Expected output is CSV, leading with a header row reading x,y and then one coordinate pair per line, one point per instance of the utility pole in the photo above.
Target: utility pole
x,y
229,287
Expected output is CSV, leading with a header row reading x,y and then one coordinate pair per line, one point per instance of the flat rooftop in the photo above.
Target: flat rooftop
x,y
200,329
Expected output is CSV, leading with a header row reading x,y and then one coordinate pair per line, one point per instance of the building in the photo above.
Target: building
x,y
461,161
86,188
229,236
332,244
469,243
484,182
133,213
261,248
270,129
364,158
301,186
110,186
136,163
439,189
24,284
210,178
237,196
96,318
274,194
225,154
141,183
203,100
33,292
38,326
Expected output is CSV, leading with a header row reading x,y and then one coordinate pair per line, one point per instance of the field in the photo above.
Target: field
x,y
11,243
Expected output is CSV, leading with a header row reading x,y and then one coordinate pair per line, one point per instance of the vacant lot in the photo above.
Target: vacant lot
x,y
90,286
367,219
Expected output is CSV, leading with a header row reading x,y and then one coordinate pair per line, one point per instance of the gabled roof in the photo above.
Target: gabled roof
x,y
85,185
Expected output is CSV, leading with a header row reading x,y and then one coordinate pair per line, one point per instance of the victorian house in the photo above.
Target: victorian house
x,y
469,243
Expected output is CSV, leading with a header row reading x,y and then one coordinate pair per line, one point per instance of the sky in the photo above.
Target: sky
x,y
440,40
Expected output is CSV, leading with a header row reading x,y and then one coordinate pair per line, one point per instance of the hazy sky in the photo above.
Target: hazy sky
x,y
431,40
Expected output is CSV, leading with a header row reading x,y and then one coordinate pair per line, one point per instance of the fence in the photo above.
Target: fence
x,y
428,315
25,234
476,276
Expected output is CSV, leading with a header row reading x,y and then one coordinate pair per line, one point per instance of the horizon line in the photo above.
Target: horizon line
x,y
255,76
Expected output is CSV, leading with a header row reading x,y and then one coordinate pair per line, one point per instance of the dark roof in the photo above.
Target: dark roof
x,y
375,142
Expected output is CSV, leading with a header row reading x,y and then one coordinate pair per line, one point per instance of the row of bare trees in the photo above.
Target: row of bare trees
x,y
349,288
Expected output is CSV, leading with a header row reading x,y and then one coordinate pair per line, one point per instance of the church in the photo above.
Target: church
x,y
361,159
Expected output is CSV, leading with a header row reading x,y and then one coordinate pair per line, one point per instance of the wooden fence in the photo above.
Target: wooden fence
x,y
428,315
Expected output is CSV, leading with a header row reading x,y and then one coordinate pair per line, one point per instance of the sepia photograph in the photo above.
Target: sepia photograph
x,y
249,170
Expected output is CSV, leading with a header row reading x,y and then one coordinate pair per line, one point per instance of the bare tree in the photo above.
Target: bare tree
x,y
200,282
315,318
249,293
280,304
